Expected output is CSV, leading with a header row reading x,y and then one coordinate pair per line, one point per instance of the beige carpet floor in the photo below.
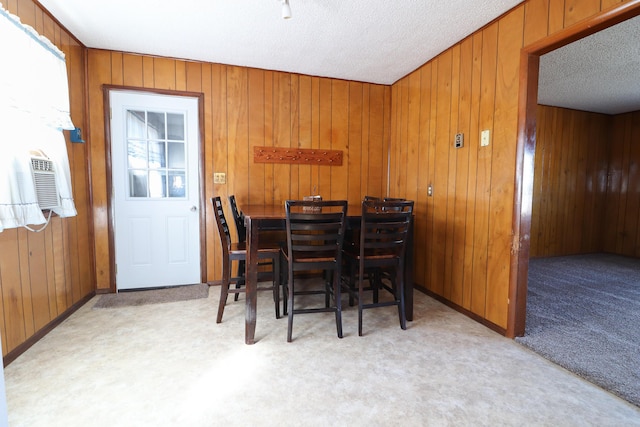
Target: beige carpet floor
x,y
172,365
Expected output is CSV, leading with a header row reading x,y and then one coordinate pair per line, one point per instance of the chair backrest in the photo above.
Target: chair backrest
x,y
392,199
384,229
370,198
238,218
315,233
223,226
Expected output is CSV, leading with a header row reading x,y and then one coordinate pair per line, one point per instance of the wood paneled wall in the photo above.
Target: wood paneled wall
x,y
622,213
42,275
464,231
244,108
570,184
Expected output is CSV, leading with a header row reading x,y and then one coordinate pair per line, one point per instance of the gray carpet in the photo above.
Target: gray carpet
x,y
583,313
153,296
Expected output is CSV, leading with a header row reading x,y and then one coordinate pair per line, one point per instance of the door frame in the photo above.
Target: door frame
x,y
106,89
526,147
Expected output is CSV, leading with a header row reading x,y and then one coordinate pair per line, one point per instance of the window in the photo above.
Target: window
x,y
34,109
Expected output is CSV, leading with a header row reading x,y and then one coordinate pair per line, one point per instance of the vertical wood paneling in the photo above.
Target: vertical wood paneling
x,y
339,138
355,141
474,149
256,193
510,33
483,171
567,198
622,210
244,108
466,227
577,10
12,295
462,172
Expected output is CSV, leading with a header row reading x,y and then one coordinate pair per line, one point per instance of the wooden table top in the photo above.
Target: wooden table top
x,y
277,211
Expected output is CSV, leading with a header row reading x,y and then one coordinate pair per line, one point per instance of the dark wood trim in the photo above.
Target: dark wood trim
x,y
106,89
526,144
203,199
603,20
108,181
461,310
13,354
46,12
523,195
89,177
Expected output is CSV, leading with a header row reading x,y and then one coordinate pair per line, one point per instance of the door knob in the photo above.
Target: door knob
x,y
193,209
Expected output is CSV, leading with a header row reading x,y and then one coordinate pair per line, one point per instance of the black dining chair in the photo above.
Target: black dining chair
x,y
238,252
315,237
241,232
379,256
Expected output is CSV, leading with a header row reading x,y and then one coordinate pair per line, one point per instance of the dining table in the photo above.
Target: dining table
x,y
260,218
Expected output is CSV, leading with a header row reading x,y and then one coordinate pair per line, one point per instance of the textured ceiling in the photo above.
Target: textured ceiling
x,y
376,41
364,40
599,73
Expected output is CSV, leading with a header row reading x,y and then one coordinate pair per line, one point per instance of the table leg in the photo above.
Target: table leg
x,y
408,275
251,283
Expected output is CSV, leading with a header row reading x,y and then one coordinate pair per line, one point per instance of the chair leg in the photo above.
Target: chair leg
x,y
352,281
283,281
276,285
399,288
241,270
360,298
224,292
290,320
338,302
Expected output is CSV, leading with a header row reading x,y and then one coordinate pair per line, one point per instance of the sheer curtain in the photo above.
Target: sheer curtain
x,y
34,109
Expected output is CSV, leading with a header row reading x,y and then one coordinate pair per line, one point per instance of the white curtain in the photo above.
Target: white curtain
x,y
34,109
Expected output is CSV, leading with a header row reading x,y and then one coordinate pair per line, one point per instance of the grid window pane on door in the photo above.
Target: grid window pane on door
x,y
156,153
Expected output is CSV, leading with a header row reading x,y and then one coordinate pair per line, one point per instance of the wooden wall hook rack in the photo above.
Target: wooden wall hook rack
x,y
307,156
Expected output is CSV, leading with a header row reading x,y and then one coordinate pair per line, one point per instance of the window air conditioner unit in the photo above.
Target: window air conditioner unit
x,y
44,179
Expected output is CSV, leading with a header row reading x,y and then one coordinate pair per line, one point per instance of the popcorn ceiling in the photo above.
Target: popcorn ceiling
x,y
364,40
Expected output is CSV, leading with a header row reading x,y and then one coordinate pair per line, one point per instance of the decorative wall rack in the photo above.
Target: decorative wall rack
x,y
306,156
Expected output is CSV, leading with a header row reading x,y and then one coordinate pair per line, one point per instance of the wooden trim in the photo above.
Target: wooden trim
x,y
13,354
585,28
461,309
55,20
107,160
106,88
523,196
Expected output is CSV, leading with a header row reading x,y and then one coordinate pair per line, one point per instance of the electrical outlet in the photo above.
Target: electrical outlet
x,y
219,178
459,141
484,138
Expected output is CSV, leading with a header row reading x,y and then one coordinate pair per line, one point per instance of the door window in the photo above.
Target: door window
x,y
156,153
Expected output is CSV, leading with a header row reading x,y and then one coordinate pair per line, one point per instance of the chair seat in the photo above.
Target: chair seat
x,y
355,254
240,248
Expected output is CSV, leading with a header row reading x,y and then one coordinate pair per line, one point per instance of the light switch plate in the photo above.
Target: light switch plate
x,y
219,178
484,138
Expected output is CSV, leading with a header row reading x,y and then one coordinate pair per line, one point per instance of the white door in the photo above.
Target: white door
x,y
154,143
